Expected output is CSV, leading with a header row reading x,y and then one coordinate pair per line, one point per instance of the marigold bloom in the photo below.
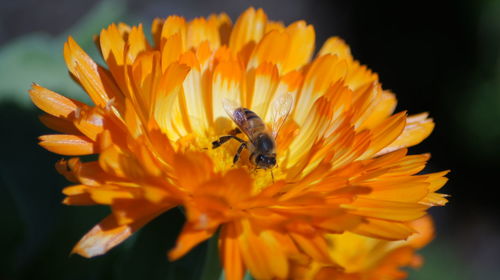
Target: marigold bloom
x,y
358,257
342,157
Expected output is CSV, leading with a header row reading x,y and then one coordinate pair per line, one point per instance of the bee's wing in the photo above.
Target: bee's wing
x,y
237,116
280,111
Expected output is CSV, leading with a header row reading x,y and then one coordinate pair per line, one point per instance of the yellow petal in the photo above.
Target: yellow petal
x,y
226,83
171,26
194,93
200,30
300,45
248,28
323,72
335,46
262,85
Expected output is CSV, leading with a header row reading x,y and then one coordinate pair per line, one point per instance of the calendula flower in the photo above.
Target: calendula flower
x,y
341,157
364,258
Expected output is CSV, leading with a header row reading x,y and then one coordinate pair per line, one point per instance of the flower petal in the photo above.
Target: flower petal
x,y
94,79
106,235
417,128
188,238
230,253
261,252
68,145
248,28
53,103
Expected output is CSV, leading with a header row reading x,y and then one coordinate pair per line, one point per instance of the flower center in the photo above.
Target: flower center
x,y
223,157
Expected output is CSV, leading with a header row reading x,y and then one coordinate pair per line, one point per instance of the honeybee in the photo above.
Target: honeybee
x,y
262,139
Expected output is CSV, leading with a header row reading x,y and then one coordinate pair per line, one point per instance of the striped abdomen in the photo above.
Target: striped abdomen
x,y
251,124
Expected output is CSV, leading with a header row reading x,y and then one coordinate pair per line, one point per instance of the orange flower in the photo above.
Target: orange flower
x,y
363,258
342,162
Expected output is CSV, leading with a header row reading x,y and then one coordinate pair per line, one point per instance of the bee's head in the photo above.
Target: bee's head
x,y
265,161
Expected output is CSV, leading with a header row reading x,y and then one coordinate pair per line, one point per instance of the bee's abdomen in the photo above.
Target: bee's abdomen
x,y
253,123
250,115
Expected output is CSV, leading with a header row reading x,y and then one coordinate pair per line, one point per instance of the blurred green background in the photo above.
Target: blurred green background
x,y
442,57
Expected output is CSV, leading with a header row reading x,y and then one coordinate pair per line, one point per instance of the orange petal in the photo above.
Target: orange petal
x,y
121,164
230,253
399,190
137,43
424,232
385,133
172,50
59,125
94,79
224,26
389,210
171,26
156,27
106,235
262,253
53,103
68,145
79,199
384,229
112,45
314,246
418,127
129,211
188,238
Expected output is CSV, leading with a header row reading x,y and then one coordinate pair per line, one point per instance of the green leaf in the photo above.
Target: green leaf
x,y
39,58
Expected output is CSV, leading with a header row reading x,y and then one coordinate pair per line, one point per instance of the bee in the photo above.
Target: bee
x,y
262,139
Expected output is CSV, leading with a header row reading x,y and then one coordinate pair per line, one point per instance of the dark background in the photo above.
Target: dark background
x,y
437,56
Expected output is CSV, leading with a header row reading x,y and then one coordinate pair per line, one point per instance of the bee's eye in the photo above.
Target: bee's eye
x,y
265,160
260,158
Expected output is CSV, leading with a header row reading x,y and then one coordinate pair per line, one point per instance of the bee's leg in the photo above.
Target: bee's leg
x,y
224,139
235,132
272,175
238,153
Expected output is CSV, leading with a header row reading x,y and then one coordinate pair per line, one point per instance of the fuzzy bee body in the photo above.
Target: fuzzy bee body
x,y
261,144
